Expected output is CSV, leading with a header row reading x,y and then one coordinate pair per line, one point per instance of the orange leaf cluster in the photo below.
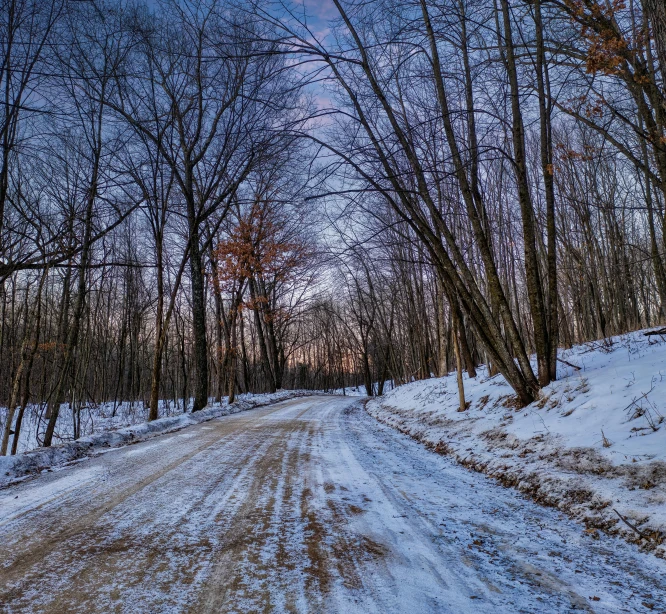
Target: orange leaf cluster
x,y
607,47
563,153
254,248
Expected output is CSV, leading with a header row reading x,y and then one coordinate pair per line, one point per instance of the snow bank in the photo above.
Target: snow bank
x,y
91,418
360,391
594,444
20,466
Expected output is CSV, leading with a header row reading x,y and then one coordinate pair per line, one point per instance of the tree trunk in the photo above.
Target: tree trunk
x,y
259,325
159,341
459,372
547,170
198,321
534,288
656,11
231,364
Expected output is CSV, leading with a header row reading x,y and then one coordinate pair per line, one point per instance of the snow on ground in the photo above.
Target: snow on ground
x,y
352,391
107,430
594,444
360,391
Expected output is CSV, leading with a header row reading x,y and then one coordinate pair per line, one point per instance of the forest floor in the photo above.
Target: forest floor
x,y
308,505
593,445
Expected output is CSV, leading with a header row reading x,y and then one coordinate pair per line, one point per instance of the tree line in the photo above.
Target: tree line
x,y
206,197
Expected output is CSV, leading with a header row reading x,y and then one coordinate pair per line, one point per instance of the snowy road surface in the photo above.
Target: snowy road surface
x,y
311,506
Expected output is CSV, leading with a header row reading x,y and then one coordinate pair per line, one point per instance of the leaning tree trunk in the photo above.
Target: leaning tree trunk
x,y
162,327
73,336
26,388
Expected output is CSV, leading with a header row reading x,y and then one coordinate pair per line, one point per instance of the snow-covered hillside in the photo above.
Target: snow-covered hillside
x,y
594,445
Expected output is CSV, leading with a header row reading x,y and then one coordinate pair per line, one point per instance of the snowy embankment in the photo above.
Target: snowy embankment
x,y
593,445
18,467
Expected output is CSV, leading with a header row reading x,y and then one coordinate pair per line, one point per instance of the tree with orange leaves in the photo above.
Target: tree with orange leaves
x,y
257,255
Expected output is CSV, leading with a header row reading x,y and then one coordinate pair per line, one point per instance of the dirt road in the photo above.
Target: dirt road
x,y
309,505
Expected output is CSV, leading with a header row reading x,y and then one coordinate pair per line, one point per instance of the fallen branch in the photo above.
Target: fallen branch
x,y
650,333
631,526
569,364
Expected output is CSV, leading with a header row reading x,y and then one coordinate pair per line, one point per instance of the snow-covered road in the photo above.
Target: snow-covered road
x,y
311,506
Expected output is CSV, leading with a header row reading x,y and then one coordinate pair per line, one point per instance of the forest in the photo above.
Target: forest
x,y
204,198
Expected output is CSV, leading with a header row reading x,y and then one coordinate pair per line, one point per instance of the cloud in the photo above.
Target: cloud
x,y
321,9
